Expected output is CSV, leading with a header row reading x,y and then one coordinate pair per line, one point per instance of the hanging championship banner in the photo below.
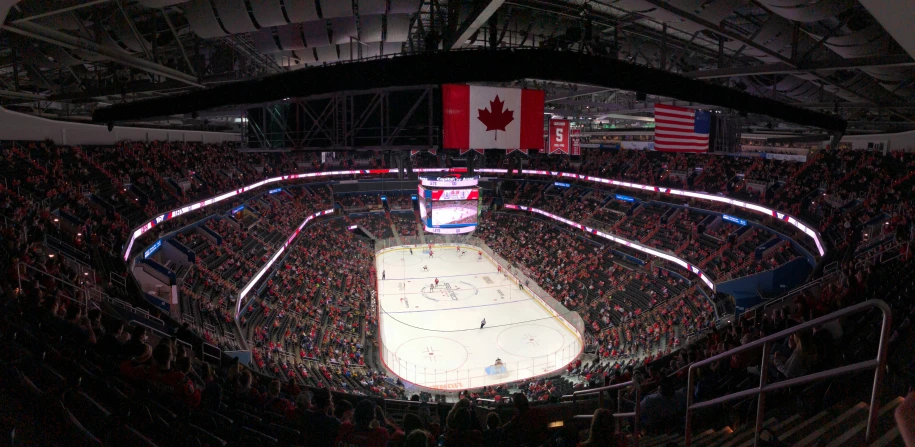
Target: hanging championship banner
x,y
576,141
559,137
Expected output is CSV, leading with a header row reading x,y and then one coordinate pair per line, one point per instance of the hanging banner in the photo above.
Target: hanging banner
x,y
508,151
491,117
559,137
576,141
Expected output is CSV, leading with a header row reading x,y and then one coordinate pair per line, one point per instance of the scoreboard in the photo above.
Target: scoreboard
x,y
449,205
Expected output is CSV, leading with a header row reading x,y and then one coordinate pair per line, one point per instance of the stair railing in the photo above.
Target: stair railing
x,y
878,364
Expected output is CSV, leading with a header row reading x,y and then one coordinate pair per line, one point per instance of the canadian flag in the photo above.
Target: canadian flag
x,y
492,117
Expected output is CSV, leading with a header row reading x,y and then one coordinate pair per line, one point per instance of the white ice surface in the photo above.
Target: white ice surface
x,y
432,337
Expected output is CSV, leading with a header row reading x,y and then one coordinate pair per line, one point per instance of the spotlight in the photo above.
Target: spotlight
x,y
51,255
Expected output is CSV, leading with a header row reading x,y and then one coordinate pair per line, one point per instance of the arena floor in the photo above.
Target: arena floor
x,y
432,338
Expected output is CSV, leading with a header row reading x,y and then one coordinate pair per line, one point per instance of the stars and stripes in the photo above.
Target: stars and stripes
x,y
681,130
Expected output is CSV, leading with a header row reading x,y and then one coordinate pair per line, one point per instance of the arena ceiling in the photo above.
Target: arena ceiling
x,y
65,58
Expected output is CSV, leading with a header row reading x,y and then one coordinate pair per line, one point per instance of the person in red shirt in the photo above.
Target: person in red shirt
x,y
361,434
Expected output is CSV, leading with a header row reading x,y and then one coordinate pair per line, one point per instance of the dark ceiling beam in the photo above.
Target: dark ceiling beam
x,y
572,94
477,18
852,105
58,11
898,60
118,89
663,5
491,66
55,37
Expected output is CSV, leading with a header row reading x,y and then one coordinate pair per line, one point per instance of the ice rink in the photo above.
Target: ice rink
x,y
431,336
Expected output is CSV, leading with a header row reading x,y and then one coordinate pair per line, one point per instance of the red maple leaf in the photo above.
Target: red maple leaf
x,y
496,119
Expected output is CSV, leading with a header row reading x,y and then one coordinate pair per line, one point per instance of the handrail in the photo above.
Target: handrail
x,y
636,415
878,364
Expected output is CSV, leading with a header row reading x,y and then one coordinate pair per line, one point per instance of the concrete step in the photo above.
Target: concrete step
x,y
743,433
798,425
890,439
854,435
718,436
660,440
832,428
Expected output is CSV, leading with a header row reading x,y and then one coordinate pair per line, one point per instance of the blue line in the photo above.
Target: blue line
x,y
454,308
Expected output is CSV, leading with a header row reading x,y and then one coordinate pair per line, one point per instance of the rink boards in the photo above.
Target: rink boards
x,y
430,336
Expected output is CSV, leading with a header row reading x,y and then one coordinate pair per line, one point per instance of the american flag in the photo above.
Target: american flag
x,y
680,130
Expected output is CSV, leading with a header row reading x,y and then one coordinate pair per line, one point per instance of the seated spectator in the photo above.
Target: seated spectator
x,y
111,344
803,357
273,402
492,432
137,347
79,326
361,434
244,392
320,424
162,379
459,433
95,321
343,410
418,438
411,423
528,427
601,432
211,397
660,410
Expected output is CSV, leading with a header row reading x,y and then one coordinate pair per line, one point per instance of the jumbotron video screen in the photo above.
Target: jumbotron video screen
x,y
449,205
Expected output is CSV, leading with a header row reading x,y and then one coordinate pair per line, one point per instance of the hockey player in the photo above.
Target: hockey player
x,y
425,268
482,323
411,251
479,256
382,275
436,282
430,253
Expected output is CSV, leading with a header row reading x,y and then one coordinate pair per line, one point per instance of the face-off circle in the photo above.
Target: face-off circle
x,y
530,340
449,291
434,353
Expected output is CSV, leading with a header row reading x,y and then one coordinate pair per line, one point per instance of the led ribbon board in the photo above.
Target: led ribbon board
x,y
791,220
266,267
660,254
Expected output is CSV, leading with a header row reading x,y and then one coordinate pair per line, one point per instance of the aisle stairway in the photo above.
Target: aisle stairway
x,y
841,425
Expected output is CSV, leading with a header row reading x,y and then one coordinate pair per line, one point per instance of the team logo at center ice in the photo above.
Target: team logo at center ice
x,y
448,291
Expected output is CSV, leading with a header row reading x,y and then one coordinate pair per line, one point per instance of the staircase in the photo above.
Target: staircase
x,y
844,424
